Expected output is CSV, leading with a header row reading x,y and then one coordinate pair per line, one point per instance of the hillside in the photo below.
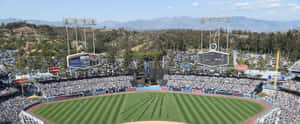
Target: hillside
x,y
44,46
184,22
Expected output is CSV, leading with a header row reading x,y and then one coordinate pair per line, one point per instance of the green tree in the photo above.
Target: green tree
x,y
261,65
128,54
171,60
186,60
140,64
156,68
21,62
112,53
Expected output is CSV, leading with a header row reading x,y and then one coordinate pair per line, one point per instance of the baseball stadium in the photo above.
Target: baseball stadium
x,y
166,70
127,98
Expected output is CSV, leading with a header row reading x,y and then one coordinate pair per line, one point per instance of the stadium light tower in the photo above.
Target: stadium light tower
x,y
228,21
90,23
93,23
75,21
202,22
201,40
66,23
219,21
219,34
227,40
208,20
209,37
84,21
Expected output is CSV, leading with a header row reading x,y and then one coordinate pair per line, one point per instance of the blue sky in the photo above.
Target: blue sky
x,y
124,10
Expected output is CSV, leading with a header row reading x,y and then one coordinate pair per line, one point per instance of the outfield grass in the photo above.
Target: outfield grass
x,y
121,108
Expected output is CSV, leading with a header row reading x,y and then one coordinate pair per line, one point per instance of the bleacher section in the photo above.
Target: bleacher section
x,y
75,87
27,118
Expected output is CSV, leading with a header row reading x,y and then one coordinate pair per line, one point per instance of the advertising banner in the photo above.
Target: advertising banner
x,y
148,88
131,89
164,89
176,89
99,92
187,90
85,60
198,91
75,62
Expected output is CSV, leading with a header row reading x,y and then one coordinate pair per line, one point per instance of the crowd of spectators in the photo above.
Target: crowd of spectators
x,y
71,87
5,91
7,57
3,74
288,104
242,85
293,85
175,61
10,109
271,117
287,109
179,57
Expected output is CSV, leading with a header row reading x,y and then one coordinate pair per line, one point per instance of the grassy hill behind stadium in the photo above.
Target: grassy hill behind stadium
x,y
194,109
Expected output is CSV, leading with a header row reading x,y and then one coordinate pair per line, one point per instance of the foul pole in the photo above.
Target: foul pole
x,y
276,75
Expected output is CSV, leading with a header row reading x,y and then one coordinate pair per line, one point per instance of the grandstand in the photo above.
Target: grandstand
x,y
203,85
83,86
295,69
168,69
229,85
27,118
3,74
150,103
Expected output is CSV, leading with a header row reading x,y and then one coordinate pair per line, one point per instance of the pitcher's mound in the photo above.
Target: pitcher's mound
x,y
153,122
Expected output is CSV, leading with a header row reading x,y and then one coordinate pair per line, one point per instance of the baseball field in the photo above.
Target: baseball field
x,y
146,106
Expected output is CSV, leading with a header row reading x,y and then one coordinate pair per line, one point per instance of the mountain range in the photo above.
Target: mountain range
x,y
184,22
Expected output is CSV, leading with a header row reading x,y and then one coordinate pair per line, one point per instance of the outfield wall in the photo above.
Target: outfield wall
x,y
148,89
99,93
186,90
169,89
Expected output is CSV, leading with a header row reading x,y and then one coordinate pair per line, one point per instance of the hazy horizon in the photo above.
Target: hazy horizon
x,y
59,20
122,11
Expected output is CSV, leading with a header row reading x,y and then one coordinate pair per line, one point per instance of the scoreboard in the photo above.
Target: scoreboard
x,y
79,61
213,58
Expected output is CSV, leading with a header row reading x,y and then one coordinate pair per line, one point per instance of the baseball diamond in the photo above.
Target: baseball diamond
x,y
150,106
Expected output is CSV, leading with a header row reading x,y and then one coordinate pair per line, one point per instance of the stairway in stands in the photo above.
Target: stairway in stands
x,y
140,78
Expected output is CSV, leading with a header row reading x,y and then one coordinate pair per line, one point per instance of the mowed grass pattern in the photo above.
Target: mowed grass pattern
x,y
116,109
